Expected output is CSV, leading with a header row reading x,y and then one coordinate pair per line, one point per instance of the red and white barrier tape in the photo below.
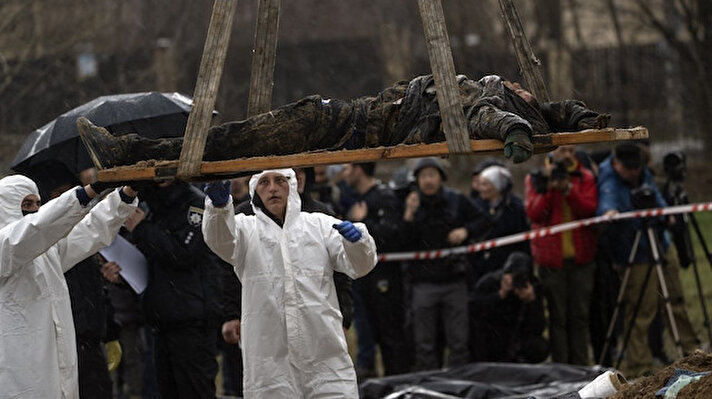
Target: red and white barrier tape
x,y
541,232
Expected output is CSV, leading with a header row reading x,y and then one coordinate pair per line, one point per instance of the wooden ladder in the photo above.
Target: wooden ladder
x,y
191,167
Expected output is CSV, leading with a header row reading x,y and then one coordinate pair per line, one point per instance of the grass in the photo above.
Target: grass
x,y
687,277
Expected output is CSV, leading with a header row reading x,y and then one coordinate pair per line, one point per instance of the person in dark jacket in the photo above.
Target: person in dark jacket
x,y
620,174
475,178
438,217
501,213
509,311
182,300
407,112
382,289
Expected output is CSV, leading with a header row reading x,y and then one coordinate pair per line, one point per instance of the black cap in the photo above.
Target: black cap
x,y
518,263
429,162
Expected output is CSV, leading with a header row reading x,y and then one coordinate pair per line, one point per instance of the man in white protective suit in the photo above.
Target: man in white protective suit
x,y
38,356
292,340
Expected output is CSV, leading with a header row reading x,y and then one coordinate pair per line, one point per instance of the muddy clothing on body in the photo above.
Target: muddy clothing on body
x,y
407,112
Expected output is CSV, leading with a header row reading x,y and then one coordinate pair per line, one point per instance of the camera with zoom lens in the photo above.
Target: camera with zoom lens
x,y
643,197
559,170
675,165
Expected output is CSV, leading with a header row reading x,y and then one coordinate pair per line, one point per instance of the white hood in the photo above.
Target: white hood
x,y
294,202
13,189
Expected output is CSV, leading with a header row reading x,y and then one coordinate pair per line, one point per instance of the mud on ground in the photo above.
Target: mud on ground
x,y
645,387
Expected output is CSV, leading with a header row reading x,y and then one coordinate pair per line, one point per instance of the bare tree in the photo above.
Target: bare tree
x,y
685,27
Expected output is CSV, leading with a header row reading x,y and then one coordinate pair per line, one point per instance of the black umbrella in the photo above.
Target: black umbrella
x,y
150,114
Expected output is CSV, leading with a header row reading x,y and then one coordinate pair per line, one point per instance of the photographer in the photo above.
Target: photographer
x,y
624,184
561,192
509,313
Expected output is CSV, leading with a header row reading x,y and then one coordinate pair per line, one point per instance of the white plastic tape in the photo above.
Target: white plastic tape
x,y
542,232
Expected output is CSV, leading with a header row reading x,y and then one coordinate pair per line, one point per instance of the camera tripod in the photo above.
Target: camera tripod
x,y
677,196
657,264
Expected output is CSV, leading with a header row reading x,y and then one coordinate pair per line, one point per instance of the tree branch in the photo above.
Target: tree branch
x,y
667,33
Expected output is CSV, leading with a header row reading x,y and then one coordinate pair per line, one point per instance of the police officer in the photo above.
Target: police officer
x,y
381,290
182,300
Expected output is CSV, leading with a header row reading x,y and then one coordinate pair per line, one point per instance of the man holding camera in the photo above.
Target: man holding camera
x,y
561,192
624,184
509,314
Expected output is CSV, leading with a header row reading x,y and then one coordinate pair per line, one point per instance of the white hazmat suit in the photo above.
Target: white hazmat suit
x,y
292,339
38,356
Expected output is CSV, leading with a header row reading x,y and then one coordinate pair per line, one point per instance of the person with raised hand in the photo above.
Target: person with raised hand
x,y
292,339
38,353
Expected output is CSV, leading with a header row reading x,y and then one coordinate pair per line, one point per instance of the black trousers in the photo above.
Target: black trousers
x,y
94,380
383,298
185,361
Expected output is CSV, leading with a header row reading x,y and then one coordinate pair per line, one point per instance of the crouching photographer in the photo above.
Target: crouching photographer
x,y
625,184
508,314
561,192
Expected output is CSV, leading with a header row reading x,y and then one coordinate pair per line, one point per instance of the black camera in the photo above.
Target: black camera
x,y
643,197
675,165
559,171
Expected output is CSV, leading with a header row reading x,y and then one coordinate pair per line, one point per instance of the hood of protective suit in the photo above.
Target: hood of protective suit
x,y
294,203
13,189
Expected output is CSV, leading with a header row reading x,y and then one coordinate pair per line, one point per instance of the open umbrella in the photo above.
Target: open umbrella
x,y
150,114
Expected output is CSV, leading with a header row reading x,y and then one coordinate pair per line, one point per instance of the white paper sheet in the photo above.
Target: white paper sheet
x,y
134,267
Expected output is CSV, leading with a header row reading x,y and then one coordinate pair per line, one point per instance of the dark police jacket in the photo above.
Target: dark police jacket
x,y
184,275
434,219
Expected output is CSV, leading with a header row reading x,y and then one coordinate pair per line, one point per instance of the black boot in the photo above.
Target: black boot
x,y
105,150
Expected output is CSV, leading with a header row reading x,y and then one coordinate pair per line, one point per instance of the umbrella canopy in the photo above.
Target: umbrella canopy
x,y
150,114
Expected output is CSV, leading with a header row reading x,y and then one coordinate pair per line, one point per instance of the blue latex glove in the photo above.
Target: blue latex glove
x,y
219,192
348,230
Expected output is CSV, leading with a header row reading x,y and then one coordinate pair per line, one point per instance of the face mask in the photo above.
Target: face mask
x,y
25,213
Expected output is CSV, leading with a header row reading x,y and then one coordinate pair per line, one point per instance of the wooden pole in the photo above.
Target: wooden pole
x,y
263,57
206,87
443,67
527,60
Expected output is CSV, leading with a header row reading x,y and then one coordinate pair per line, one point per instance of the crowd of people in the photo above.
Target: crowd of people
x,y
241,274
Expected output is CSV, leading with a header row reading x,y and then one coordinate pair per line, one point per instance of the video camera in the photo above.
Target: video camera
x,y
643,197
675,165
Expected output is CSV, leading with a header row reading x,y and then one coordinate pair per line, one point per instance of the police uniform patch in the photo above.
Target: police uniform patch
x,y
195,216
